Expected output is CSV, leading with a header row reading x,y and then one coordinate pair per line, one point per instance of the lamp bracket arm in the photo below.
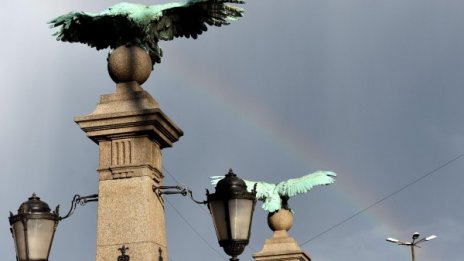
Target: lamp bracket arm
x,y
179,189
78,200
420,241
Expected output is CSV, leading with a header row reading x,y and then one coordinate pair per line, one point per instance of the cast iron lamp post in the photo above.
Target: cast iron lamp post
x,y
412,244
34,226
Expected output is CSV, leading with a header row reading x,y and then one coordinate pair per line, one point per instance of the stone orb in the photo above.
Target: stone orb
x,y
280,220
129,63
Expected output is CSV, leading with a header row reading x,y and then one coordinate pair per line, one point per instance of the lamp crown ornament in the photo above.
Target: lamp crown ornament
x,y
33,205
231,184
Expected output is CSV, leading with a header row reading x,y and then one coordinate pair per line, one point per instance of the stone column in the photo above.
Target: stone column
x,y
281,246
130,130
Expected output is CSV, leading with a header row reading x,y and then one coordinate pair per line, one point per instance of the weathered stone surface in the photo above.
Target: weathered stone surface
x,y
281,246
129,63
131,130
129,112
136,252
129,212
280,220
130,157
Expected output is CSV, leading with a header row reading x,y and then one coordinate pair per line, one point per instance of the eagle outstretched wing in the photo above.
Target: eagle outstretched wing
x,y
144,26
275,196
303,184
95,30
191,19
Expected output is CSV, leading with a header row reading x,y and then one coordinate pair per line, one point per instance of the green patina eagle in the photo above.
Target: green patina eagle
x,y
276,196
144,26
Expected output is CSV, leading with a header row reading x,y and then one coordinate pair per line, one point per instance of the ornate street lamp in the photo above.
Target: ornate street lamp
x,y
33,229
34,226
232,207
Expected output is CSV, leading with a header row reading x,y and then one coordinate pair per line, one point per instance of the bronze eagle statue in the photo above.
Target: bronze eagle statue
x,y
145,26
276,196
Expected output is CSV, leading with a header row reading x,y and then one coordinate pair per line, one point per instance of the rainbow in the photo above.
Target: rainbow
x,y
296,144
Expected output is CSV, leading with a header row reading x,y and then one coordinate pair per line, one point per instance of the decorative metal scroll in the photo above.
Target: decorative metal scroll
x,y
78,200
179,189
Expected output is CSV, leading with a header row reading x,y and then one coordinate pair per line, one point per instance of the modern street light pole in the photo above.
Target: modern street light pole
x,y
412,244
413,253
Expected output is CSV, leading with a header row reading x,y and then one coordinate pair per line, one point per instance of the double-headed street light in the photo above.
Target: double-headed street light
x,y
412,244
231,207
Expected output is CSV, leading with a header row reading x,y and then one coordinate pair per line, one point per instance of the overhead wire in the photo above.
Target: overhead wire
x,y
188,223
428,174
195,230
177,181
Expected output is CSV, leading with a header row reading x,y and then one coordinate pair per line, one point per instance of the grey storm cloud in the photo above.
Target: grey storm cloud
x,y
371,90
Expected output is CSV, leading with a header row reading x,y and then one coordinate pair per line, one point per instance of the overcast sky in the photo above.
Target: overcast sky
x,y
370,89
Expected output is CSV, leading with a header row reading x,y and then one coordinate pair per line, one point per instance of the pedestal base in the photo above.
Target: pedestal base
x,y
281,246
131,130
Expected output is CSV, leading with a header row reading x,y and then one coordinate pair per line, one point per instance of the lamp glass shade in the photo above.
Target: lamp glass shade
x,y
219,218
240,211
39,237
17,229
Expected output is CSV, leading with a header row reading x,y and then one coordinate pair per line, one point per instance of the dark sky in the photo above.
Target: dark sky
x,y
369,89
